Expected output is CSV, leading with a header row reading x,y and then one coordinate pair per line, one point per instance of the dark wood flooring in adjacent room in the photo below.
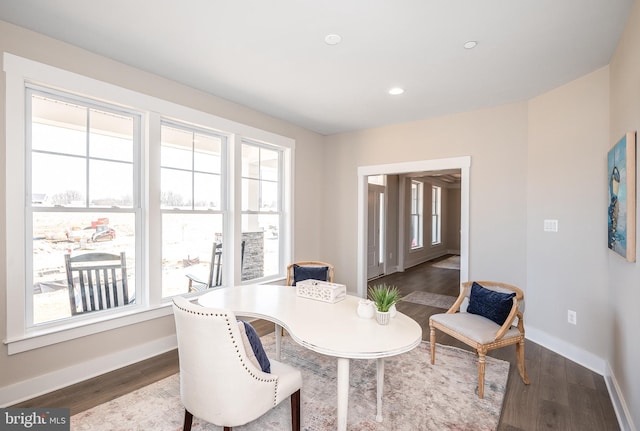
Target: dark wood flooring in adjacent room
x,y
562,396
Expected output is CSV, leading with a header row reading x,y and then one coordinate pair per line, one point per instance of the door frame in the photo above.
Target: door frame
x,y
382,231
463,163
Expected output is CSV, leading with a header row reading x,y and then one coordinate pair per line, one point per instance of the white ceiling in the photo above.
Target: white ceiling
x,y
271,55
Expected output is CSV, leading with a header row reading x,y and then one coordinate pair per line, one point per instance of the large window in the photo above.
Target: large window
x,y
93,168
192,203
262,210
436,215
417,218
82,187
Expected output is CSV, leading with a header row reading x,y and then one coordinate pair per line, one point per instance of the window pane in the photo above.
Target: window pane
x,y
58,180
177,148
111,136
58,233
207,191
191,169
176,189
417,219
110,184
250,195
58,126
250,161
187,244
260,233
208,152
269,164
269,196
436,219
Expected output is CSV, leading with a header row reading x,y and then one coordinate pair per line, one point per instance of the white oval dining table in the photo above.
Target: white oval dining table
x,y
332,329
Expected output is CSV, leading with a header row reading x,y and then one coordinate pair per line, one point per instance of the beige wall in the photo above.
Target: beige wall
x,y
309,155
542,159
496,141
566,177
623,287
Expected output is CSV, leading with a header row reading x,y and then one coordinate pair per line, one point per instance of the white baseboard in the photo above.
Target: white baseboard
x,y
568,350
592,362
619,405
40,385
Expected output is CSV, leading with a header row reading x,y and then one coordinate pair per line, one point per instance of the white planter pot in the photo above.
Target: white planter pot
x,y
383,317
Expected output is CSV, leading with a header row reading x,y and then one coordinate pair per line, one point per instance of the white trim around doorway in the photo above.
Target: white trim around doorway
x,y
463,163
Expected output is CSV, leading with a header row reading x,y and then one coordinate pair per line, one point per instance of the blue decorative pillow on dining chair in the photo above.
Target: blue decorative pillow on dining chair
x,y
255,351
301,273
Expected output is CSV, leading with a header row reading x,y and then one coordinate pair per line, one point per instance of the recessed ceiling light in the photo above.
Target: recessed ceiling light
x,y
333,39
396,90
470,44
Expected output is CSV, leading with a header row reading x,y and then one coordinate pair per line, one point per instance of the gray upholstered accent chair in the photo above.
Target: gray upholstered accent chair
x,y
218,381
481,332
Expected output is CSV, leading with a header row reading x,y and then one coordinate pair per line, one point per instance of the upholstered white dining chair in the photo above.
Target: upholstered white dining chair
x,y
221,381
488,323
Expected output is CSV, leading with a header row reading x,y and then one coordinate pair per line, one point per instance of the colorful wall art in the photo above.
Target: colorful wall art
x,y
621,171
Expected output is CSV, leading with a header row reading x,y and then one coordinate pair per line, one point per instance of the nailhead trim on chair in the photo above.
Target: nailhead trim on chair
x,y
235,343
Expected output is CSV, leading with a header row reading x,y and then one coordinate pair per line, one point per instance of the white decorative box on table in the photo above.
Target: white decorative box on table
x,y
321,290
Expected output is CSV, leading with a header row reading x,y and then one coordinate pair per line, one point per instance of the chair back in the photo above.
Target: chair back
x,y
96,281
215,269
218,383
291,278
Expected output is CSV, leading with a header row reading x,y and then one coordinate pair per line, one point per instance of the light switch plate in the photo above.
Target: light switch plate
x,y
551,225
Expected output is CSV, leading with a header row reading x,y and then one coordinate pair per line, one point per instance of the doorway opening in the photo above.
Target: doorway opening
x,y
371,241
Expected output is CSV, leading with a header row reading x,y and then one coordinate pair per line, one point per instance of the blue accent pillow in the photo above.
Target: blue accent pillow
x,y
493,305
309,273
256,346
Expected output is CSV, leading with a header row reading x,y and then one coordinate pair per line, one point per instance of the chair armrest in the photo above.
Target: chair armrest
x,y
456,305
509,321
193,279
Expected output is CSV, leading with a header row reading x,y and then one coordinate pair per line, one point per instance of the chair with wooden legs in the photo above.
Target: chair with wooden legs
x,y
487,324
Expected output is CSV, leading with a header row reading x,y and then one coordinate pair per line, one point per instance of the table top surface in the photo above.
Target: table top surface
x,y
330,329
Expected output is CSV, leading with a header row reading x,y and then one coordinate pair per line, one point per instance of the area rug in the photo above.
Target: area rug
x,y
452,262
417,396
432,299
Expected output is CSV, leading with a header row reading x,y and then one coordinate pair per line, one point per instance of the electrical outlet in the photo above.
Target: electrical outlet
x,y
572,317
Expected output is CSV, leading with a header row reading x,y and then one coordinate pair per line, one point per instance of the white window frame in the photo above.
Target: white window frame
x,y
436,214
224,181
136,209
282,203
418,216
19,72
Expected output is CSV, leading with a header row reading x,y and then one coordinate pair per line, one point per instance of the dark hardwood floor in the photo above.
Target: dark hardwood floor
x,y
562,395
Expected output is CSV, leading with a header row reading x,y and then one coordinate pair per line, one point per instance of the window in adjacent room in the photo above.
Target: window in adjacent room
x,y
436,215
416,214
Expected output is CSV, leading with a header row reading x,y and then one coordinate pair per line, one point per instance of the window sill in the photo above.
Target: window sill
x,y
41,337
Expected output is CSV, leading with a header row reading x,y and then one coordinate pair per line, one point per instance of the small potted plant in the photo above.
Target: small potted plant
x,y
384,297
